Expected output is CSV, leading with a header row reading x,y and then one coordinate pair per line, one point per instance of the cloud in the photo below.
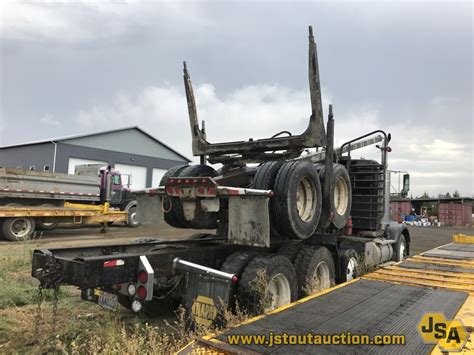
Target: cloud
x,y
436,165
49,120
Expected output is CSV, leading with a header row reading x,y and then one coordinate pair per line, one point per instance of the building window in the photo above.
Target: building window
x,y
32,167
46,168
19,167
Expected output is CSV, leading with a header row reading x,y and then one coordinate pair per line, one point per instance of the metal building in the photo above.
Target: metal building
x,y
130,150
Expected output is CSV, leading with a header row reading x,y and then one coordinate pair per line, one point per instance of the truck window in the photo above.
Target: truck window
x,y
116,180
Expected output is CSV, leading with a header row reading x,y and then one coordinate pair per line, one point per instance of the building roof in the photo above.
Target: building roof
x,y
60,139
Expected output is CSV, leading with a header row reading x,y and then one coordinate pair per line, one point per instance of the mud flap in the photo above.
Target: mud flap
x,y
249,221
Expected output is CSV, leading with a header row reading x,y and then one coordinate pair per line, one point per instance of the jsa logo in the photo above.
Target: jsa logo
x,y
450,335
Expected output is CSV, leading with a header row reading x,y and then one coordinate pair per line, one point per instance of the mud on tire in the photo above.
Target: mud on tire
x,y
297,200
267,282
315,270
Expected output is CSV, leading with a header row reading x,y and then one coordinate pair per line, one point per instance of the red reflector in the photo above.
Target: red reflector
x,y
113,263
186,181
211,191
195,181
141,292
176,190
143,276
204,181
271,193
234,279
179,181
201,191
171,181
169,190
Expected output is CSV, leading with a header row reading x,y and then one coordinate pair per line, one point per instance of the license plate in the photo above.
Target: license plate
x,y
107,300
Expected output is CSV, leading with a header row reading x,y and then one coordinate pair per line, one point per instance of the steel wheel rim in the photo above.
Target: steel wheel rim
x,y
278,292
320,280
341,196
20,227
306,199
351,269
401,251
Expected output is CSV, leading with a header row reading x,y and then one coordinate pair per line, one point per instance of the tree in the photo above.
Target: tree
x,y
448,195
425,195
456,193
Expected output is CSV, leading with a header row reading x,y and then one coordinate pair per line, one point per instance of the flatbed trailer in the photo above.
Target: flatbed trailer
x,y
17,222
396,299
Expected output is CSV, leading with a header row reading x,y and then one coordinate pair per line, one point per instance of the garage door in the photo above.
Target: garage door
x,y
137,173
78,161
157,175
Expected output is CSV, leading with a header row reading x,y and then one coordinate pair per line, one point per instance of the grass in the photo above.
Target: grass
x,y
82,327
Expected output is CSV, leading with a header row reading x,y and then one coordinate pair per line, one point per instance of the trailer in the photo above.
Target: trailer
x,y
17,223
32,200
299,224
395,302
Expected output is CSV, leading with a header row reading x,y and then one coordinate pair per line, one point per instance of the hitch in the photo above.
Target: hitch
x,y
51,273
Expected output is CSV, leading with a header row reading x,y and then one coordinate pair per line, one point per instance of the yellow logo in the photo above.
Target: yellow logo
x,y
204,310
449,334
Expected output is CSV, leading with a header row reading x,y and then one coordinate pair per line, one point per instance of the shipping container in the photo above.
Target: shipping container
x,y
455,214
399,209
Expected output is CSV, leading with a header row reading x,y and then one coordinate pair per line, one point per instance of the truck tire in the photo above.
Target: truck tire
x,y
18,228
267,282
350,265
340,199
46,226
168,201
264,180
315,270
235,263
297,200
132,221
204,220
400,251
289,250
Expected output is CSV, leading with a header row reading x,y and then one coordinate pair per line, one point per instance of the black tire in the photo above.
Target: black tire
x,y
289,250
132,221
341,197
46,226
252,293
288,219
235,263
350,270
203,220
397,252
168,202
315,270
18,228
264,180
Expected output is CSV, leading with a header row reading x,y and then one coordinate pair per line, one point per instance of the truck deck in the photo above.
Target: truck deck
x,y
390,300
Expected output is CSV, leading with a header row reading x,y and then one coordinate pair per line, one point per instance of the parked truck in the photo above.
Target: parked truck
x,y
306,221
41,200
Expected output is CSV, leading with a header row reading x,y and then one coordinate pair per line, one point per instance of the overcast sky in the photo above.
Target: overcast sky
x,y
405,67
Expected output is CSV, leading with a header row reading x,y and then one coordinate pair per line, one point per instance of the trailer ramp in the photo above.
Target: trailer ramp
x,y
390,301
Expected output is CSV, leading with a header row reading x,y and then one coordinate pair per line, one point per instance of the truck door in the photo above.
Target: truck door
x,y
116,191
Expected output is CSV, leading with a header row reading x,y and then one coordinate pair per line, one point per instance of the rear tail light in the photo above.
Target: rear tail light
x,y
143,276
141,292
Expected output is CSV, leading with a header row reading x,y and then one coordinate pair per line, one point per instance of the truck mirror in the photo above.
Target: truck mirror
x,y
389,138
406,183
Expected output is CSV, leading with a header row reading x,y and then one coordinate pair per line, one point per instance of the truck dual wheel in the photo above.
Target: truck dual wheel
x,y
297,199
341,197
18,228
264,180
315,270
169,211
267,282
202,220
